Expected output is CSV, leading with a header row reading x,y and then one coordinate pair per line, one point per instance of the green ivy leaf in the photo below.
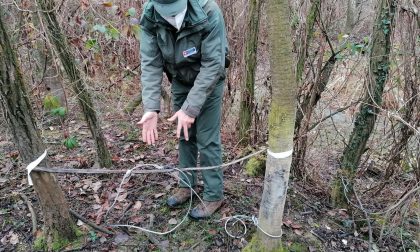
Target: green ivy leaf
x,y
113,33
131,12
70,142
91,44
100,28
366,40
93,235
51,102
60,111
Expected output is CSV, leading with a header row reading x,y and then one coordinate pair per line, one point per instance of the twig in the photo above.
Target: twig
x,y
332,114
93,225
31,210
414,190
151,237
367,219
318,236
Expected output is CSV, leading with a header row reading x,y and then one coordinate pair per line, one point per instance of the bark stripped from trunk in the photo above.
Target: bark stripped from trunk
x,y
366,118
19,116
67,60
247,92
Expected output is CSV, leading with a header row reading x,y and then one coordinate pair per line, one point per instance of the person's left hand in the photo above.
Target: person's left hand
x,y
184,122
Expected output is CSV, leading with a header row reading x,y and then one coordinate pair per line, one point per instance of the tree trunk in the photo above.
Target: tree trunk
x,y
304,115
48,70
247,93
351,5
59,226
281,127
67,60
306,38
365,119
411,70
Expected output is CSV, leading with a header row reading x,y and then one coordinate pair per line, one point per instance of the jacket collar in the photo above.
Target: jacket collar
x,y
195,14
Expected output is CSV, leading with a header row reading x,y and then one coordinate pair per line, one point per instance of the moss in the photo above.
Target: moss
x,y
40,244
297,247
60,243
255,166
255,245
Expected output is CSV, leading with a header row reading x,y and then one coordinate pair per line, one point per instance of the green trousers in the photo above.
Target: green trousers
x,y
204,141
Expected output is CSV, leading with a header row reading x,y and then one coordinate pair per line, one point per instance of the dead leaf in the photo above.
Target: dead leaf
x,y
115,158
96,186
158,195
107,4
137,219
87,183
212,232
296,225
96,206
14,239
172,221
298,231
137,205
165,243
287,223
173,213
122,197
4,240
121,238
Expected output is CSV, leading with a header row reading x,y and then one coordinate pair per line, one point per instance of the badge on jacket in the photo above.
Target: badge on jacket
x,y
189,52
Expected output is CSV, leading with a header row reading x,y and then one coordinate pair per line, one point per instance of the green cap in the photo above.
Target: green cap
x,y
169,8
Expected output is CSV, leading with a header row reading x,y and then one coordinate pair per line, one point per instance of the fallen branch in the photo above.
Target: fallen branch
x,y
158,168
93,225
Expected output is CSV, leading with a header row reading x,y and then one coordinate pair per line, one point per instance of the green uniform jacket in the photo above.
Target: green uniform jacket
x,y
193,56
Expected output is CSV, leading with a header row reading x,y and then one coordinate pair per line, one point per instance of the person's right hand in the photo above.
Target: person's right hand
x,y
149,131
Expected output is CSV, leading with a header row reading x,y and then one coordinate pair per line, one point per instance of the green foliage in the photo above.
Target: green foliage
x,y
351,47
70,142
51,102
40,244
131,12
112,33
92,44
93,236
100,28
60,111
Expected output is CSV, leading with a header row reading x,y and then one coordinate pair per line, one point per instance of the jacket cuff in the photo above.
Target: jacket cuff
x,y
151,109
191,111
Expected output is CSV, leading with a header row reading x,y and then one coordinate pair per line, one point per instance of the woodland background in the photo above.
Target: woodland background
x,y
331,44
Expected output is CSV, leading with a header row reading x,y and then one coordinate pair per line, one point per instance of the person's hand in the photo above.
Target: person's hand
x,y
149,123
184,122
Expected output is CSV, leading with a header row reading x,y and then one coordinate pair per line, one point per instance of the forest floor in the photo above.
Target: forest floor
x,y
310,223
